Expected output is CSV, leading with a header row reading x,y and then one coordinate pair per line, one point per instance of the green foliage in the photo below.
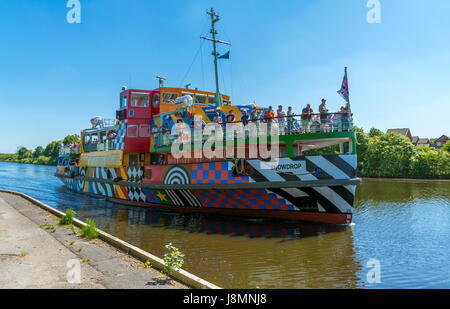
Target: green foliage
x,y
393,155
446,147
41,156
71,139
22,152
89,230
375,132
68,218
173,259
39,151
389,155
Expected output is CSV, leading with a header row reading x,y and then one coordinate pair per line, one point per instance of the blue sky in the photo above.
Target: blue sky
x,y
55,76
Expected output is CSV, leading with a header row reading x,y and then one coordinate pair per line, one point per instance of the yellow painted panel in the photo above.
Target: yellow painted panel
x,y
112,158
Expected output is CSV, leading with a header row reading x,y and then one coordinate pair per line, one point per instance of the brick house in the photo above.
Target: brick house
x,y
441,141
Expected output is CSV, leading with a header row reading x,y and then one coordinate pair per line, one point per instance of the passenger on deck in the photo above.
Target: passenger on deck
x,y
344,115
161,160
218,119
281,118
245,118
231,117
268,118
290,121
323,110
306,118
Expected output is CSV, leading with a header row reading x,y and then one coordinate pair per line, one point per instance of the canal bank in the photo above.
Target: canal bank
x,y
37,253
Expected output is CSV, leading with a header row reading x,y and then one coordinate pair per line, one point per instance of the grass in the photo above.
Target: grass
x,y
23,254
89,230
85,260
80,249
71,243
68,218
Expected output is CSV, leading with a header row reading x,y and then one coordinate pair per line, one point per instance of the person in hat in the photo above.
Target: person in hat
x,y
323,110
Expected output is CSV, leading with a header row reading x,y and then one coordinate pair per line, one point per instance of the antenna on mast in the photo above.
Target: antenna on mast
x,y
161,81
214,19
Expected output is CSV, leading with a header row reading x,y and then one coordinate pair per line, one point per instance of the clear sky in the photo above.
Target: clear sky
x,y
56,76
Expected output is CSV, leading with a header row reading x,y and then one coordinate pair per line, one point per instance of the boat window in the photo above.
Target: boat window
x,y
187,93
144,130
211,101
123,102
155,100
200,99
169,97
140,99
132,131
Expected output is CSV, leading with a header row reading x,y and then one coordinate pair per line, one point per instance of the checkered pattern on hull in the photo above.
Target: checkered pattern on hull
x,y
215,172
119,142
136,195
243,199
135,174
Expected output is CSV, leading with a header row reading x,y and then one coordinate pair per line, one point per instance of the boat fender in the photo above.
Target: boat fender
x,y
117,179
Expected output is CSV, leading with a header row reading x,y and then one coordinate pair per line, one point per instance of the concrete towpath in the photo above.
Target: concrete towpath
x,y
36,253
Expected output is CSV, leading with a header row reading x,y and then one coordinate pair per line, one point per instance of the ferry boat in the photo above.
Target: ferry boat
x,y
131,159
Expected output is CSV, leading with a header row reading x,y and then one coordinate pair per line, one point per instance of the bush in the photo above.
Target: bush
x,y
89,230
173,259
68,218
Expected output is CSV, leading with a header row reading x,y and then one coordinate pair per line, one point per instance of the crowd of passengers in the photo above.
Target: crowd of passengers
x,y
287,122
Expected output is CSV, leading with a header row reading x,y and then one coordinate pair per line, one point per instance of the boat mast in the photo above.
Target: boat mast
x,y
214,19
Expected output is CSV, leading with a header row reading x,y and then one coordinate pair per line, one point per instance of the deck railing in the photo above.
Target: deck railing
x,y
295,124
91,147
69,150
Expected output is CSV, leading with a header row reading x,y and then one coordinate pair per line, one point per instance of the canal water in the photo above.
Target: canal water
x,y
401,233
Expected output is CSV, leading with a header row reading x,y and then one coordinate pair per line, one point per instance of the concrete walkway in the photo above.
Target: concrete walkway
x,y
32,256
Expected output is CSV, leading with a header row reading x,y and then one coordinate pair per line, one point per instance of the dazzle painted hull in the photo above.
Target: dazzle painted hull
x,y
311,188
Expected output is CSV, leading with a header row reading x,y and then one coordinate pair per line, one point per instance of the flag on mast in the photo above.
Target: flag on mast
x,y
225,56
344,92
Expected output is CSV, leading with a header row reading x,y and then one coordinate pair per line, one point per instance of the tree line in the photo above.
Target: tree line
x,y
393,155
40,155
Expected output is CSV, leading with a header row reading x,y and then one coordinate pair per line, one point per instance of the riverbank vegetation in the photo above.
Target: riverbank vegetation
x,y
40,155
393,155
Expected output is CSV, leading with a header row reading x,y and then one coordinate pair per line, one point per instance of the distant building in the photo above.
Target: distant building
x,y
441,141
423,142
404,131
415,140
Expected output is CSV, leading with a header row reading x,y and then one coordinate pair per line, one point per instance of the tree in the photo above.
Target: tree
x,y
389,155
52,151
71,139
23,152
39,151
446,147
362,143
375,132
